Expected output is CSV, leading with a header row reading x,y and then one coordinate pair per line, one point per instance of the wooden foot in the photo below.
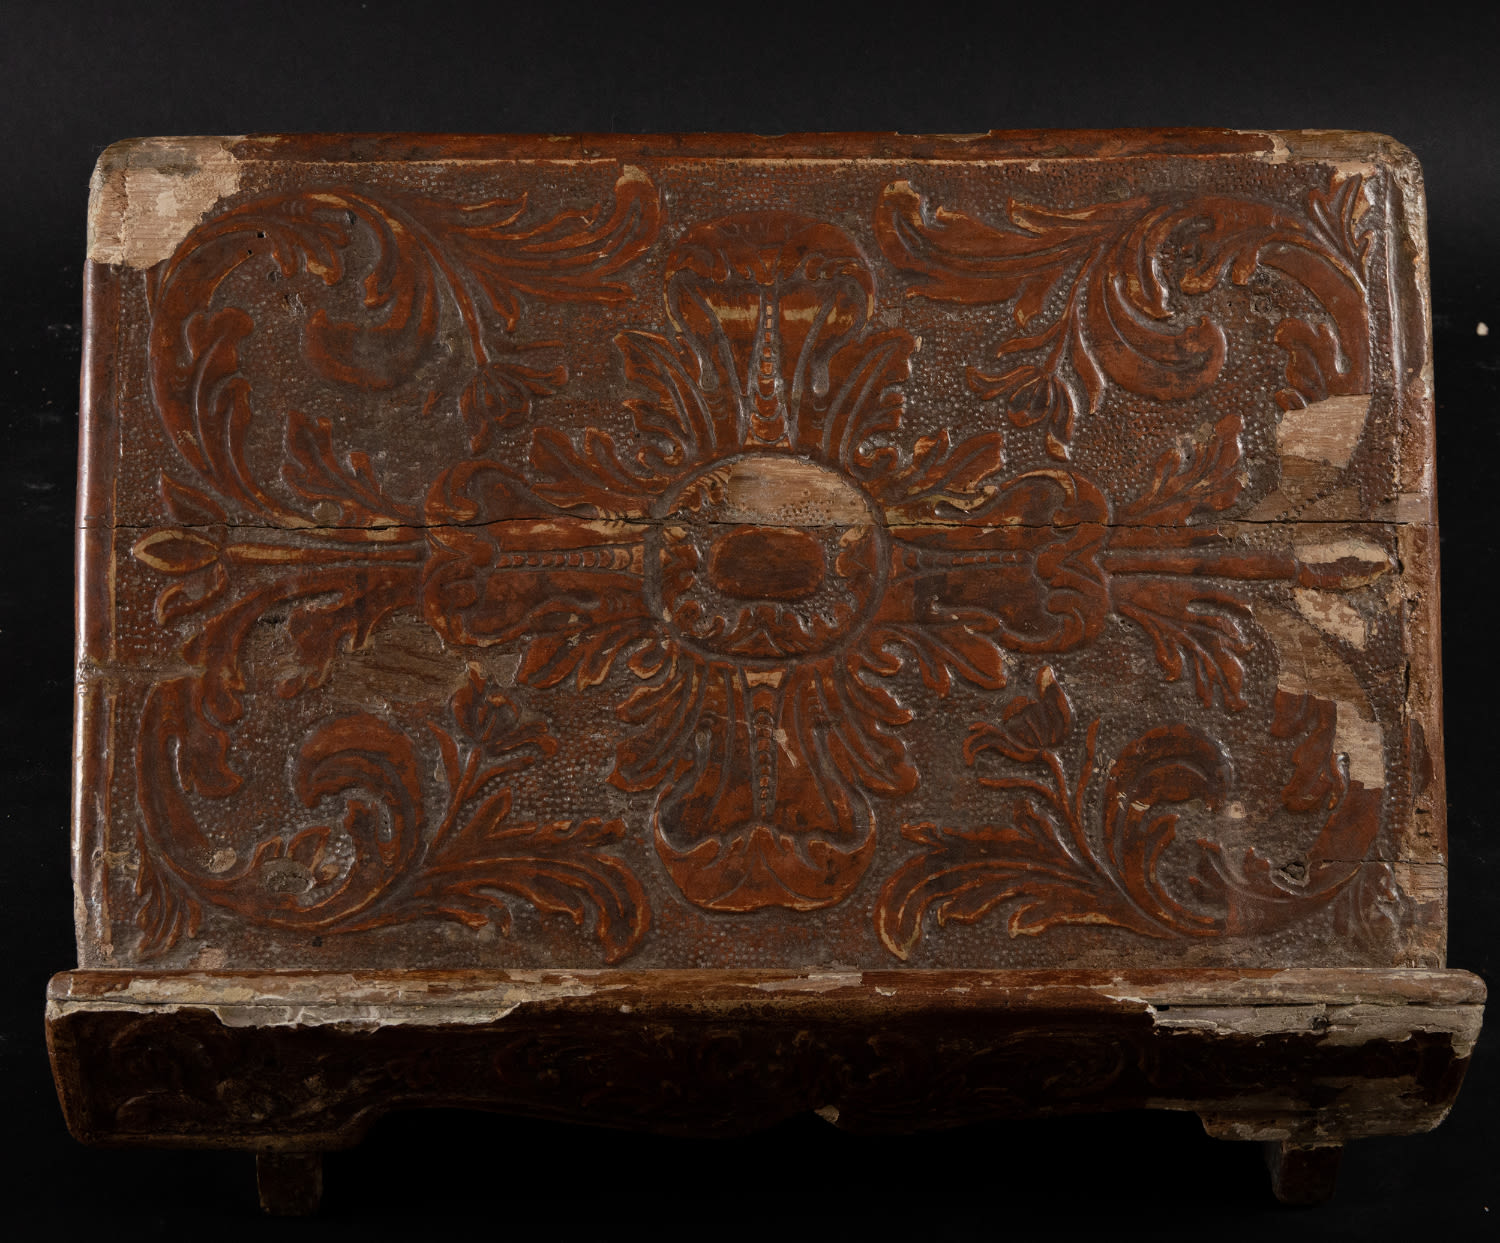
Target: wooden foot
x,y
290,1183
1303,1173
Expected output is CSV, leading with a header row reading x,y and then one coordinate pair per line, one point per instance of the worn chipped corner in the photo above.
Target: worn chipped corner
x,y
147,194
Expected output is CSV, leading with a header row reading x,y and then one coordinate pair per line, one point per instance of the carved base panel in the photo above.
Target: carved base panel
x,y
293,1062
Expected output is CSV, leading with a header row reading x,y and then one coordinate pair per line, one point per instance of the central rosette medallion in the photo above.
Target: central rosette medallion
x,y
751,565
768,558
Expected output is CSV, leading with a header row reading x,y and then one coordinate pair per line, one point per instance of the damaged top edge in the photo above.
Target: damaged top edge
x,y
147,194
1152,990
1350,151
1275,145
1334,1021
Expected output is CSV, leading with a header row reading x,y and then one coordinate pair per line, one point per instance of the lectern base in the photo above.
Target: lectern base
x,y
290,1064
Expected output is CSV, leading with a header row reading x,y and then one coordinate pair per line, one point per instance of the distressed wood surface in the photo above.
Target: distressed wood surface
x,y
303,1061
679,554
291,1064
867,555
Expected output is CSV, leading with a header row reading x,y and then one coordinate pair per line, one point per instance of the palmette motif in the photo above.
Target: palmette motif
x,y
759,563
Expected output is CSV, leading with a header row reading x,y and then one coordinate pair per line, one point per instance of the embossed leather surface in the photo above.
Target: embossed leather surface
x,y
717,552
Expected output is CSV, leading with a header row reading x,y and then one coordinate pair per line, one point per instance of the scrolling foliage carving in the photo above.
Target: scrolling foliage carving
x,y
757,563
1092,293
1047,867
392,858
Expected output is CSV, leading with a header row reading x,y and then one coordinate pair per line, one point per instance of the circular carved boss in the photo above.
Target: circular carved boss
x,y
767,557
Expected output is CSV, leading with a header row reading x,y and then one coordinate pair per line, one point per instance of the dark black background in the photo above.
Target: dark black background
x,y
74,77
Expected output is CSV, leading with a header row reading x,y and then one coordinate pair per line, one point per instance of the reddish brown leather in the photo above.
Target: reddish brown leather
x,y
1014,551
